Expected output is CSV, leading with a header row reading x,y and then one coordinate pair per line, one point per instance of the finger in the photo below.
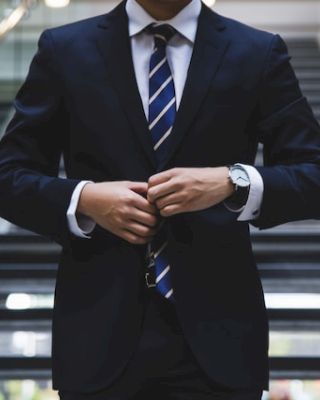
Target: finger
x,y
171,199
140,229
161,190
145,205
161,177
138,187
171,210
145,218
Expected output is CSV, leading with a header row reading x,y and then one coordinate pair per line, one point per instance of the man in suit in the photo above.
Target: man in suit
x,y
158,108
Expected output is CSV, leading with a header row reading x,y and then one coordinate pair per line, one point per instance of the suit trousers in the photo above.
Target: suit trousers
x,y
163,366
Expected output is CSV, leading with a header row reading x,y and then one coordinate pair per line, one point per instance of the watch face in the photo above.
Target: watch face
x,y
240,177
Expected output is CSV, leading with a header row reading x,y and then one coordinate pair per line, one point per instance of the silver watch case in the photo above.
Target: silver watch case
x,y
239,176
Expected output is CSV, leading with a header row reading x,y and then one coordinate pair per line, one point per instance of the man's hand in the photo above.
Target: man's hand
x,y
189,189
121,207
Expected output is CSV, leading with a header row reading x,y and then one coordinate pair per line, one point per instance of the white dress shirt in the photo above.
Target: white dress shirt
x,y
179,52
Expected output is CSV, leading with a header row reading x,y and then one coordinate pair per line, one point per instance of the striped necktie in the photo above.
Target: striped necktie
x,y
162,113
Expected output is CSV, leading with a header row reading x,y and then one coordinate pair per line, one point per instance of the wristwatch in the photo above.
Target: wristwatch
x,y
241,181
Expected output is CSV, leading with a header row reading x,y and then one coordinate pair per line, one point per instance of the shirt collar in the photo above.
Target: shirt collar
x,y
185,22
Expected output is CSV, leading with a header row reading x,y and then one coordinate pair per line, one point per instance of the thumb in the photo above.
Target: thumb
x,y
139,187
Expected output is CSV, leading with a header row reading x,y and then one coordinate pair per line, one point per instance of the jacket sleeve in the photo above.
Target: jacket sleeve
x,y
31,193
291,139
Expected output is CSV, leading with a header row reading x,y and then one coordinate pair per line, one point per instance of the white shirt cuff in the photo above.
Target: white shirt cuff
x,y
251,209
80,225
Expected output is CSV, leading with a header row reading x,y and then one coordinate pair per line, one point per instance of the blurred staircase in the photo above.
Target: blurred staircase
x,y
288,258
306,62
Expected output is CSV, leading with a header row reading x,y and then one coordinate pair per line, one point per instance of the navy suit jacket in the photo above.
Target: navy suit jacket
x,y
80,99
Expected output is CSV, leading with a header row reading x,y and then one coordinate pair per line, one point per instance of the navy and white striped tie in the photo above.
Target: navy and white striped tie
x,y
162,113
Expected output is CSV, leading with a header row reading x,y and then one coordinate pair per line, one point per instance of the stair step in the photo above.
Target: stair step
x,y
316,109
39,314
306,69
302,53
306,61
295,363
40,271
25,270
27,285
302,44
41,318
308,75
313,99
310,87
27,248
292,270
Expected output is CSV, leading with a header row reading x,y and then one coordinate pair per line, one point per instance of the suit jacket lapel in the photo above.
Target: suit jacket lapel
x,y
114,45
209,49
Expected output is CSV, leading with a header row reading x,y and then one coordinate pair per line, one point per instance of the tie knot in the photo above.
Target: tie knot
x,y
162,33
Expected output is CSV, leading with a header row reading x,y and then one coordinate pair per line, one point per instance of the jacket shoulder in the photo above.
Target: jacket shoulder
x,y
75,30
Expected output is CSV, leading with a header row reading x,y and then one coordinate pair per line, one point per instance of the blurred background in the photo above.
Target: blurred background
x,y
288,256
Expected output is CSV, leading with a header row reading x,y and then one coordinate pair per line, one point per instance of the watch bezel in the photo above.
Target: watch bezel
x,y
234,167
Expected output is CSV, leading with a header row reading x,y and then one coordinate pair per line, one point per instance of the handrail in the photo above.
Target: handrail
x,y
9,22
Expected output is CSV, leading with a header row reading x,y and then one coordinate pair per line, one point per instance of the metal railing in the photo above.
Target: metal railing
x,y
14,16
